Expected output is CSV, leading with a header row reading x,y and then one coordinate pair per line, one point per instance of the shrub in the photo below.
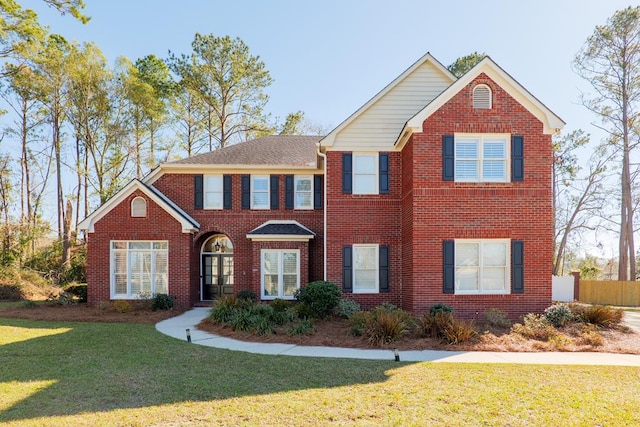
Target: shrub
x,y
279,304
321,297
263,326
162,302
458,331
386,327
346,308
244,320
303,311
63,298
302,327
557,315
358,322
534,327
434,324
29,304
496,317
440,308
591,338
247,295
224,309
599,315
121,306
77,289
10,292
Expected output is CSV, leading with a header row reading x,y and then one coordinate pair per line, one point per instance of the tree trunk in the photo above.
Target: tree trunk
x,y
66,238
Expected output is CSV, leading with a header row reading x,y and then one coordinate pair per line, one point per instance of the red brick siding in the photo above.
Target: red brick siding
x,y
422,210
448,210
236,223
119,225
354,219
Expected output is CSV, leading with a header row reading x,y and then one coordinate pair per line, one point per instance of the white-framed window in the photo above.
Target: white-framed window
x,y
482,97
482,157
365,173
139,207
280,273
259,192
213,191
138,268
303,186
365,269
482,266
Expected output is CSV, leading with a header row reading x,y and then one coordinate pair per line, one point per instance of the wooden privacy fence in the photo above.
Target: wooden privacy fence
x,y
609,292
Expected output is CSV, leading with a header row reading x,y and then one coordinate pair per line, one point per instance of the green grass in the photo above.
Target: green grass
x,y
100,374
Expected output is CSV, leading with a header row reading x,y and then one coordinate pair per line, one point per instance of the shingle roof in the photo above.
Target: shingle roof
x,y
276,150
276,229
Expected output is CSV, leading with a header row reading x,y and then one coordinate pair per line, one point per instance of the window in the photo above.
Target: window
x,y
303,192
481,158
259,192
482,266
365,174
280,273
481,97
139,268
365,269
139,207
213,191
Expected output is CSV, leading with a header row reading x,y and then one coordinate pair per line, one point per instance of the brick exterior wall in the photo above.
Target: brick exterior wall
x,y
422,211
235,223
118,224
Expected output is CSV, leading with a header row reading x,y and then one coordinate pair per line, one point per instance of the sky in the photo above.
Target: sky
x,y
329,57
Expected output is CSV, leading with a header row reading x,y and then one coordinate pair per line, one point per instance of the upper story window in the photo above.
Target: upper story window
x,y
365,174
482,157
303,192
139,207
213,191
259,192
482,97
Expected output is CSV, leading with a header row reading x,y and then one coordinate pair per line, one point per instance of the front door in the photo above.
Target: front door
x,y
217,276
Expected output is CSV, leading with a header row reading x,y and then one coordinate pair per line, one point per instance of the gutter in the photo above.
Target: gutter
x,y
324,220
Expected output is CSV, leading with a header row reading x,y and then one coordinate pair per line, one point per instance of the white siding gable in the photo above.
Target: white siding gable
x,y
378,125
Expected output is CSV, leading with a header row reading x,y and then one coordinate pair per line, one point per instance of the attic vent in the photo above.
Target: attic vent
x,y
482,97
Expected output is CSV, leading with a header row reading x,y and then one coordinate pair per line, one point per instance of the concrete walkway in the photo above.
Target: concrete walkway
x,y
176,327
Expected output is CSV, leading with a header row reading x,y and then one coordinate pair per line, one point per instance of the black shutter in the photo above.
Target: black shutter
x,y
517,266
383,166
448,157
198,192
517,158
383,270
288,191
317,191
347,269
226,191
246,191
273,189
347,173
449,267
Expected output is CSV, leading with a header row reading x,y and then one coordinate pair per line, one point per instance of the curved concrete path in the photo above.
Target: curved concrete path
x,y
176,327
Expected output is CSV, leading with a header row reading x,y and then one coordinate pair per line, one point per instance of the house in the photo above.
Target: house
x,y
436,190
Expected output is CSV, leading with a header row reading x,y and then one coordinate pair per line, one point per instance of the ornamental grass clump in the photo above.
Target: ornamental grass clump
x,y
387,323
534,327
599,315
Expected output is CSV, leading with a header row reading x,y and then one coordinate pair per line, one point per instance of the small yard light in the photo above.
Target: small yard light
x,y
188,335
396,353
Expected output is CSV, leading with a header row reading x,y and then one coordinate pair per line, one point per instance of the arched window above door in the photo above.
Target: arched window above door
x,y
218,243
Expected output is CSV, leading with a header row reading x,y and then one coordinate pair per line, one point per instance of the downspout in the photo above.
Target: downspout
x,y
324,213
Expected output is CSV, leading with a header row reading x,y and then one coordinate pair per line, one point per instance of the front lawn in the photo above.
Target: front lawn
x,y
57,373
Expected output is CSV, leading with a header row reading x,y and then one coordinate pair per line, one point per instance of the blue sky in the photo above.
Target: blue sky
x,y
329,57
